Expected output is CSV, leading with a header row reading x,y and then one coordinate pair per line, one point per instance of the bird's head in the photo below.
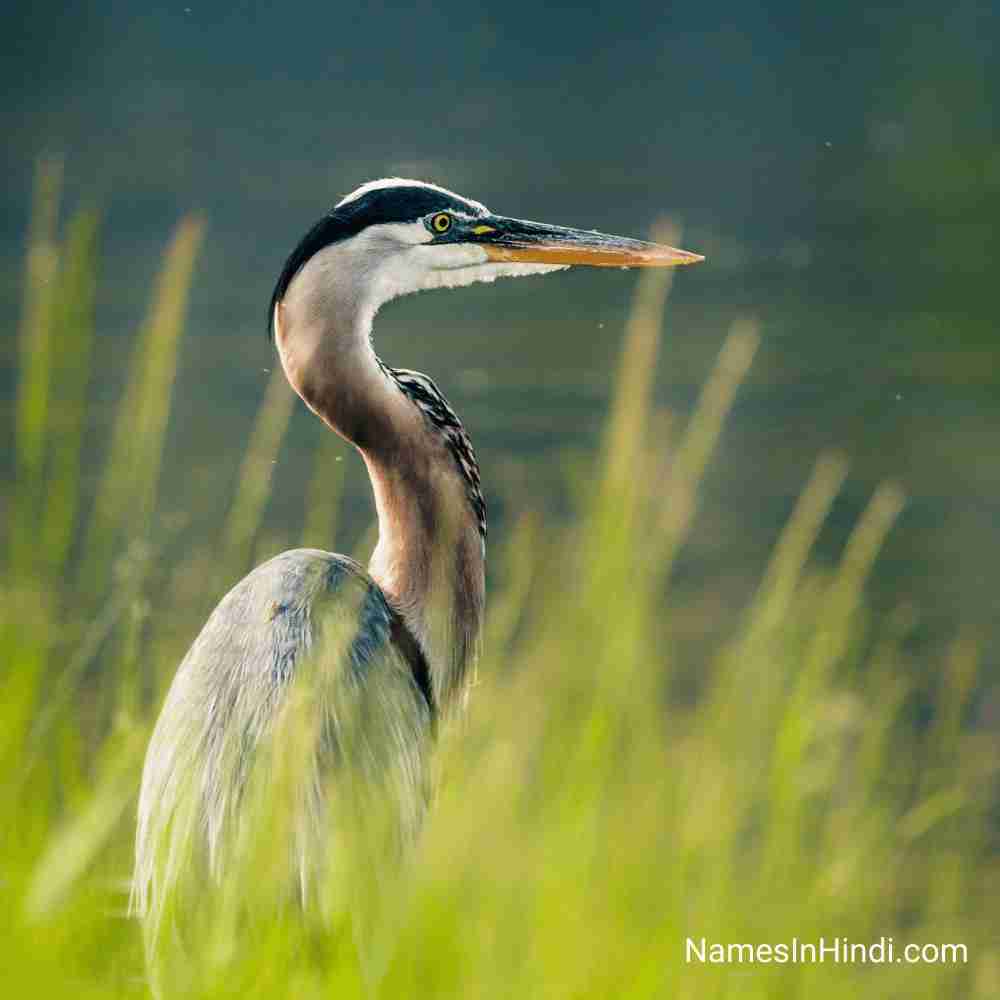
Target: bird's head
x,y
394,236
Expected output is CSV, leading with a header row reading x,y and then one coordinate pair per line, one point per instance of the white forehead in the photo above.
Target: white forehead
x,y
390,182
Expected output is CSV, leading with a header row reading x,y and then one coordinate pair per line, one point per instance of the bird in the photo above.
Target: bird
x,y
390,648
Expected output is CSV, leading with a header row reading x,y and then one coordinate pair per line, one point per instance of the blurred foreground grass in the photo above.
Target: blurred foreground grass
x,y
589,819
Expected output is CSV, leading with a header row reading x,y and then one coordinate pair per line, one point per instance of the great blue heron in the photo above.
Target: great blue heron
x,y
392,647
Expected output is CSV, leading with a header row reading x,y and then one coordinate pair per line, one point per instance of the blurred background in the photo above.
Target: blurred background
x,y
838,167
816,754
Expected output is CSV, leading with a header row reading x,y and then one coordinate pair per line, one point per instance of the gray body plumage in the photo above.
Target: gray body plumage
x,y
305,617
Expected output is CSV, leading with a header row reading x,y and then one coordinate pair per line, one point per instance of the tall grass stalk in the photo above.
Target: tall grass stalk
x,y
29,597
37,315
130,480
323,495
254,485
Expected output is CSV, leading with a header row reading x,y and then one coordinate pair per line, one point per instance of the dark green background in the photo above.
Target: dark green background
x,y
838,164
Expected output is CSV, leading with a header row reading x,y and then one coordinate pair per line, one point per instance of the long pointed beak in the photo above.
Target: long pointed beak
x,y
518,240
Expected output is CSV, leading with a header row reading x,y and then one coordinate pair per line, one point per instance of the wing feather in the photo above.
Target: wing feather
x,y
302,695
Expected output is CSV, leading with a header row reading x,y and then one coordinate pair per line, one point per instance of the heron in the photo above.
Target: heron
x,y
391,646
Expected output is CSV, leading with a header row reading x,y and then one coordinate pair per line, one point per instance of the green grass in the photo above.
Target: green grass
x,y
593,811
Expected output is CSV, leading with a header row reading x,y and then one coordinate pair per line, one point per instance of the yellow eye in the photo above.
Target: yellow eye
x,y
441,222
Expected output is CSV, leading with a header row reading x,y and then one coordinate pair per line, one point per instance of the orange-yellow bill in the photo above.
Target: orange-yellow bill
x,y
533,242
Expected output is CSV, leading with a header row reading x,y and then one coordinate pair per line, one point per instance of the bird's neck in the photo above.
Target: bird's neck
x,y
429,560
